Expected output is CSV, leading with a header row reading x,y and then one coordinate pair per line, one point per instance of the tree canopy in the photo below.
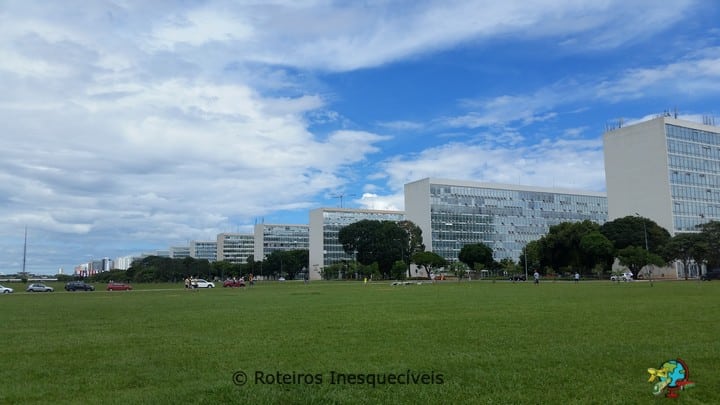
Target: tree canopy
x,y
631,231
381,242
477,254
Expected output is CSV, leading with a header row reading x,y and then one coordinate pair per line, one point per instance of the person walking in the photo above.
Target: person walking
x,y
577,277
536,277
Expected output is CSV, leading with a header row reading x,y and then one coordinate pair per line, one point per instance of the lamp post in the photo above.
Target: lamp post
x,y
646,245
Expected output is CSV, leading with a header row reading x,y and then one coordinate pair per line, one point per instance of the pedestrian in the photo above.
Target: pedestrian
x,y
536,277
577,277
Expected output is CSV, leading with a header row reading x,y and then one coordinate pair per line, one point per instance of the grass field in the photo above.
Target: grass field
x,y
470,342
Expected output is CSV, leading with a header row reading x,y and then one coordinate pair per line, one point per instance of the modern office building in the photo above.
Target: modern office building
x,y
454,213
179,252
235,247
325,224
204,249
664,169
277,237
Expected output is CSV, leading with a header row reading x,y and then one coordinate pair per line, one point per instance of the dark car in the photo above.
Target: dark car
x,y
711,275
118,287
78,285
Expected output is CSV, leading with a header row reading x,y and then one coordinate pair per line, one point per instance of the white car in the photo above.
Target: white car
x,y
5,290
200,283
627,276
39,287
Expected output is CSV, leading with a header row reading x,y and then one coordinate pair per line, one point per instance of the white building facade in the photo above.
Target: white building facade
x,y
664,169
279,237
235,247
204,249
454,213
325,224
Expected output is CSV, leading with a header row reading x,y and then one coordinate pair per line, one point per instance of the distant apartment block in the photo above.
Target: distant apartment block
x,y
235,247
207,250
454,213
664,169
325,224
179,252
277,237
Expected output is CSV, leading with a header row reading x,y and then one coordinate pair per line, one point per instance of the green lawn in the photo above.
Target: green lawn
x,y
476,342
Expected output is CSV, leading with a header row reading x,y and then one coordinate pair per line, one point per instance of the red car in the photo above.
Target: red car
x,y
119,287
233,283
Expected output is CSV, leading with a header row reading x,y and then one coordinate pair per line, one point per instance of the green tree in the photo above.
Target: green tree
x,y
381,242
598,252
635,258
562,247
631,231
687,248
459,269
288,264
710,233
532,253
477,254
428,261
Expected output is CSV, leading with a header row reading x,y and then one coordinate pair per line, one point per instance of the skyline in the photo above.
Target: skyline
x,y
132,127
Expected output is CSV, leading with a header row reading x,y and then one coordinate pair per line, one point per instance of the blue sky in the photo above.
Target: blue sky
x,y
130,126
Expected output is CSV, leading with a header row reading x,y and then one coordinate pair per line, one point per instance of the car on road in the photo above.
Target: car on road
x,y
234,283
200,283
711,275
39,287
79,285
118,287
5,290
627,276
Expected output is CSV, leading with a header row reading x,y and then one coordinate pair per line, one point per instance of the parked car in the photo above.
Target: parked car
x,y
119,287
200,283
79,285
39,287
234,283
5,290
711,275
627,276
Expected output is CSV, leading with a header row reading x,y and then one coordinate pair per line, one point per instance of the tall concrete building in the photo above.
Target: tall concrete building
x,y
664,169
325,224
235,247
454,213
278,237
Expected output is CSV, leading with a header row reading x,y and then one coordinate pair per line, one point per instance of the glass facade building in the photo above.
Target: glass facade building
x,y
204,250
454,213
664,169
325,224
694,173
235,247
276,237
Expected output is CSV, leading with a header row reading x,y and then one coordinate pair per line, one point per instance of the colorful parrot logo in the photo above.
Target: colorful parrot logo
x,y
672,377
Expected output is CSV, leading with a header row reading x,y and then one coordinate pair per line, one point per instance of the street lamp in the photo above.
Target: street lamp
x,y
646,244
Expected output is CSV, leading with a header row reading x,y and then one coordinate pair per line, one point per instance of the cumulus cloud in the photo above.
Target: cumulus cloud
x,y
140,124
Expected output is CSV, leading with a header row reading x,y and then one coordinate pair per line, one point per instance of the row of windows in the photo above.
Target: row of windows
x,y
457,195
697,209
690,134
684,163
693,149
687,224
694,178
695,193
